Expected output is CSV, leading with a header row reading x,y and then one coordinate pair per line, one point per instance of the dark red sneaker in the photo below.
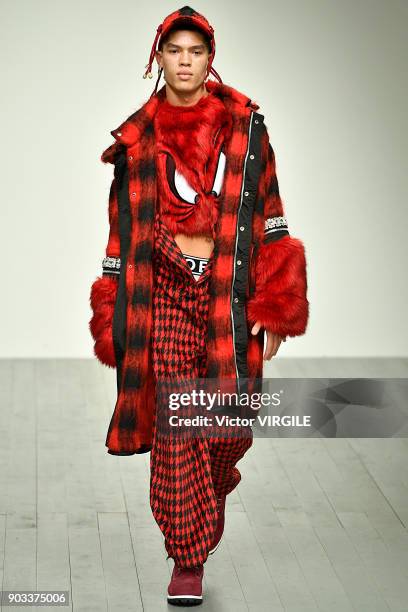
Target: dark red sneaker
x,y
185,588
220,524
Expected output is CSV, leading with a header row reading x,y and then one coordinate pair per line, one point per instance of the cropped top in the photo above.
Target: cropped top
x,y
190,159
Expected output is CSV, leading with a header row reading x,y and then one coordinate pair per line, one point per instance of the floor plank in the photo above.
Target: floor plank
x,y
315,524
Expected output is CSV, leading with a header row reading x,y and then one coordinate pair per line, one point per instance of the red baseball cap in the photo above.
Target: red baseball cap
x,y
183,16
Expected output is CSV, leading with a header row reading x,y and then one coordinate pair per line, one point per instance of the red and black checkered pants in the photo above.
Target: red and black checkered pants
x,y
186,475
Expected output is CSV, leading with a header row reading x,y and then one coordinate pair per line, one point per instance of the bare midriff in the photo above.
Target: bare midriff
x,y
199,246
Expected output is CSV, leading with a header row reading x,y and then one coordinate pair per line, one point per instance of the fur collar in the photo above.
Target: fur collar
x,y
193,135
132,129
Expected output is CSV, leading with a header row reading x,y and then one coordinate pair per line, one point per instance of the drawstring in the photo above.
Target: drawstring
x,y
215,73
157,82
148,66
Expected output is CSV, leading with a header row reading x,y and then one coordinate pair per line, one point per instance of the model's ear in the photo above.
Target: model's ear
x,y
158,57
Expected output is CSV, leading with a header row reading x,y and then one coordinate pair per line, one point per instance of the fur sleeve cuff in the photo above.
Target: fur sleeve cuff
x,y
280,302
102,300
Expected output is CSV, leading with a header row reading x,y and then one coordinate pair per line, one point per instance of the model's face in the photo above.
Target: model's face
x,y
185,51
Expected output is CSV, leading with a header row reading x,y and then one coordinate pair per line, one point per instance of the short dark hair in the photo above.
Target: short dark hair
x,y
187,26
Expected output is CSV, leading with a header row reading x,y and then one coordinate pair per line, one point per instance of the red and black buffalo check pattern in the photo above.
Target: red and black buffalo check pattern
x,y
277,295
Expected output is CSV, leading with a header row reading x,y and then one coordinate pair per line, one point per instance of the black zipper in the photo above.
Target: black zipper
x,y
252,260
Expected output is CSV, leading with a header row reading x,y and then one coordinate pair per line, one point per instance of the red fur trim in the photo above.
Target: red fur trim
x,y
280,300
193,135
102,300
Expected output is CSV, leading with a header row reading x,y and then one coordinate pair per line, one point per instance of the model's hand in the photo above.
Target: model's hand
x,y
273,341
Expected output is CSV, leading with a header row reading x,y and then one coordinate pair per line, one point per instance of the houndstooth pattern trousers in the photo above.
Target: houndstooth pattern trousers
x,y
186,475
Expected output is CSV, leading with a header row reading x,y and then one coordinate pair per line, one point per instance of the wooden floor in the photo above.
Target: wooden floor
x,y
317,524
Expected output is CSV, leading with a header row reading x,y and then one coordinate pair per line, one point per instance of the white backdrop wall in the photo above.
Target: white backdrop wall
x,y
331,81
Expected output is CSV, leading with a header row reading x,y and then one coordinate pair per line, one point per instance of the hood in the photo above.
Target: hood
x,y
131,130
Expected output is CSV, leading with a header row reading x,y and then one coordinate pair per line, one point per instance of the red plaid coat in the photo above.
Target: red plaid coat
x,y
259,269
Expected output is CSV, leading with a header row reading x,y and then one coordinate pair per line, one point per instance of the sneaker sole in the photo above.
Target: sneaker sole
x,y
184,600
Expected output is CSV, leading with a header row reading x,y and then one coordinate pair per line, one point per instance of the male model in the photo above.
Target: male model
x,y
199,264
